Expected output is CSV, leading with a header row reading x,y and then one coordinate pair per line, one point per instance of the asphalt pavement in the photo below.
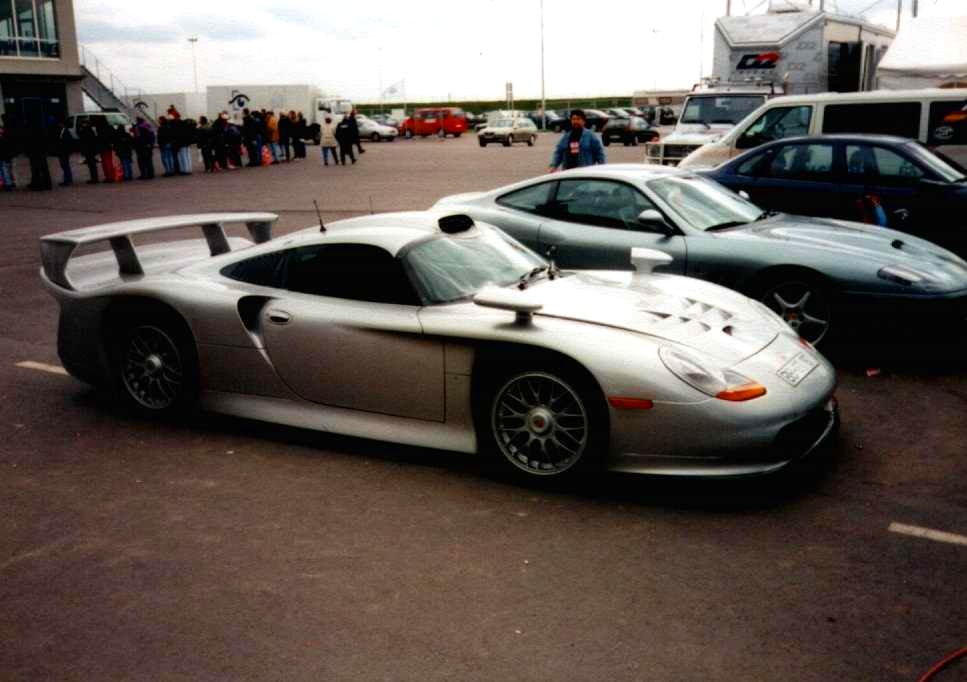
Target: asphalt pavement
x,y
224,549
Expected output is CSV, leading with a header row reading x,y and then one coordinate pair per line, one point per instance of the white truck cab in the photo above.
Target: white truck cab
x,y
709,112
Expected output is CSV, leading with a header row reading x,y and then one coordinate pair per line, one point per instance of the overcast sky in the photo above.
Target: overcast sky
x,y
461,49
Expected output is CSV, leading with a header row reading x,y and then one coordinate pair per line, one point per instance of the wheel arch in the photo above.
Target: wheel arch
x,y
754,283
124,308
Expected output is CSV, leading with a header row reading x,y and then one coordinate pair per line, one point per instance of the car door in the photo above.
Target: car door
x,y
346,333
520,213
892,180
594,225
799,178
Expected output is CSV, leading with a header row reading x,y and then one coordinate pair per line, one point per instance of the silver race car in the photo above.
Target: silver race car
x,y
817,273
431,330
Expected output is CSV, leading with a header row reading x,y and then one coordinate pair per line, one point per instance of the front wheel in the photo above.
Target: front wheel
x,y
408,134
483,143
606,142
803,303
374,137
546,423
508,141
531,140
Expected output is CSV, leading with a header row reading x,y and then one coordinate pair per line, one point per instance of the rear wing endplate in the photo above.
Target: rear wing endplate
x,y
56,249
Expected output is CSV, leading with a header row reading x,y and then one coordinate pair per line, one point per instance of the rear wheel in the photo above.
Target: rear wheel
x,y
408,134
803,301
548,422
531,140
634,140
508,141
374,137
155,365
607,142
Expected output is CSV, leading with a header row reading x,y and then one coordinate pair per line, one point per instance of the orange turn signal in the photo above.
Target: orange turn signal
x,y
631,403
742,392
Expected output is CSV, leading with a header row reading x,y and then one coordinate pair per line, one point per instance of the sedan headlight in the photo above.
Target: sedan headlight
x,y
702,374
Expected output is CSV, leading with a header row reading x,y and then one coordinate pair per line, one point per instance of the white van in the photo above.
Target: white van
x,y
936,117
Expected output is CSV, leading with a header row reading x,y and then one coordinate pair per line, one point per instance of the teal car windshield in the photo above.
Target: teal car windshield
x,y
703,204
446,269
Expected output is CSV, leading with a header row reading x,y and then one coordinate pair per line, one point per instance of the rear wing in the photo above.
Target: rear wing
x,y
56,249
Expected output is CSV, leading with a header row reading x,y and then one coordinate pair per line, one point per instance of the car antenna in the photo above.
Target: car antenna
x,y
370,204
322,228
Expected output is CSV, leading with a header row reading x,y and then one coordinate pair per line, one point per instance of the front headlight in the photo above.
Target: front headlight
x,y
703,375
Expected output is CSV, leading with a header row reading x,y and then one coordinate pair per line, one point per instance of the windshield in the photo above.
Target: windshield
x,y
934,162
448,269
502,123
704,204
720,108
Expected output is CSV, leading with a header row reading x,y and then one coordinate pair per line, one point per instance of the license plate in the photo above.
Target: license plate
x,y
794,371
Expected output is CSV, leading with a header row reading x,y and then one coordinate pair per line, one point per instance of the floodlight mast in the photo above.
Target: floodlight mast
x,y
543,100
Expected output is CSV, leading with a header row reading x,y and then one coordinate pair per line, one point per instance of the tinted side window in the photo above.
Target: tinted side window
x,y
355,271
878,163
533,199
777,124
948,123
751,165
804,161
600,202
264,270
890,118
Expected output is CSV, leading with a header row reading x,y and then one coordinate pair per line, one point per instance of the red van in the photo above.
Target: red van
x,y
426,122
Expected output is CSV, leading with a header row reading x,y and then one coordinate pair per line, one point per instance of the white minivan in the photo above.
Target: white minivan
x,y
936,117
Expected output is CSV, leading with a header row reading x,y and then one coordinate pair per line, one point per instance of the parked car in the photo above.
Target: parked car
x,y
649,113
426,122
877,179
110,118
936,117
820,275
507,131
554,119
430,330
595,119
628,131
387,120
620,112
370,129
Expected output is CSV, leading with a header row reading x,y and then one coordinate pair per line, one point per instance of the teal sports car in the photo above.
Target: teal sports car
x,y
821,275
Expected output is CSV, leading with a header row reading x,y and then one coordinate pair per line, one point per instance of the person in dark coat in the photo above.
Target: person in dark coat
x,y
105,139
64,144
89,148
166,145
285,135
9,149
250,136
219,152
124,147
37,147
299,138
203,136
355,129
233,145
144,139
345,138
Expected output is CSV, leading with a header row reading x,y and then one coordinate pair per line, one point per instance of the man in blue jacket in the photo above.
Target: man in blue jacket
x,y
578,147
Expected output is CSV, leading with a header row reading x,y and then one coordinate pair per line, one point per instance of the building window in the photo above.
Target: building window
x,y
28,28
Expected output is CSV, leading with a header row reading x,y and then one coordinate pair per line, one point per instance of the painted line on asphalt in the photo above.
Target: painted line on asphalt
x,y
53,369
930,534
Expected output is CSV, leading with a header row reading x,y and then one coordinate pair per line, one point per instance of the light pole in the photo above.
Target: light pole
x,y
543,99
194,61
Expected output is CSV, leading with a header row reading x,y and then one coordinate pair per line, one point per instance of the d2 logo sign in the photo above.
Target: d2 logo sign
x,y
763,60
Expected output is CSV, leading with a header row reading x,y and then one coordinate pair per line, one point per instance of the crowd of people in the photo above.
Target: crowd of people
x,y
110,152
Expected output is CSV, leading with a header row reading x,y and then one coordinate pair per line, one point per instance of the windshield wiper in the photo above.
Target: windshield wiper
x,y
528,276
767,214
725,226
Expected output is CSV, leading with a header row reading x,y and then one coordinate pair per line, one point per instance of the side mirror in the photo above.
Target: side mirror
x,y
654,220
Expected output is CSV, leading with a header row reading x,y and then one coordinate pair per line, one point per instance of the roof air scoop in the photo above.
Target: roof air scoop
x,y
646,260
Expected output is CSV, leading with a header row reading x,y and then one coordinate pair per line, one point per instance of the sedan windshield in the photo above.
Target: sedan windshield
x,y
720,108
446,269
703,204
503,123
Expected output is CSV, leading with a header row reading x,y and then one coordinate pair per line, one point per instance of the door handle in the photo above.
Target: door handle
x,y
279,317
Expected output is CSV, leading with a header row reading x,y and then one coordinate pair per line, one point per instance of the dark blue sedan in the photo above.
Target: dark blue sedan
x,y
890,181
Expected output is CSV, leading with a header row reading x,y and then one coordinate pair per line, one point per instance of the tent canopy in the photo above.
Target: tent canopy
x,y
927,52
